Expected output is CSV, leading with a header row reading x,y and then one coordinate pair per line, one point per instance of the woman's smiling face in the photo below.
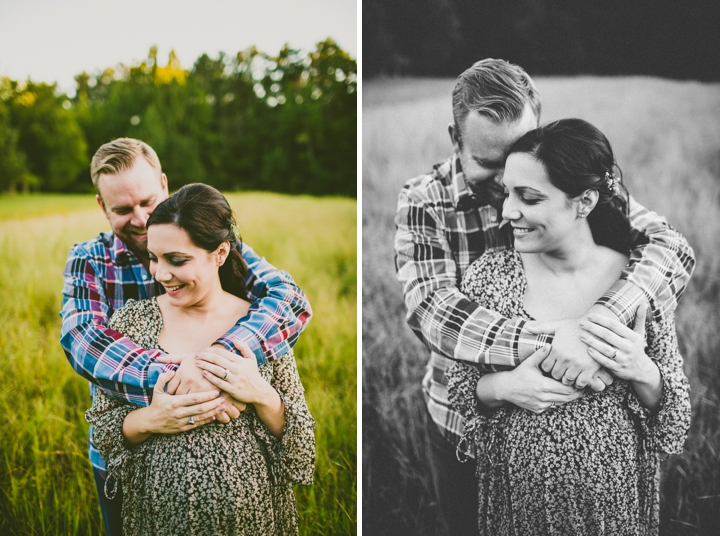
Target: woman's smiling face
x,y
542,216
188,273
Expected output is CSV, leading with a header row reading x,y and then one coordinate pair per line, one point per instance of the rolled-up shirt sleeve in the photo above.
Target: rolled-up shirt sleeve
x,y
659,269
278,313
99,354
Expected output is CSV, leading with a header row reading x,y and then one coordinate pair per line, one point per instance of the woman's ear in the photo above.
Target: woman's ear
x,y
586,202
222,251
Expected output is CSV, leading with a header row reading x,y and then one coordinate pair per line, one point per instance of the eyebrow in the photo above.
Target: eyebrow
x,y
523,189
128,207
173,254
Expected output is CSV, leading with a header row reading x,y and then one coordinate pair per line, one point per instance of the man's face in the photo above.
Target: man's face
x,y
485,145
128,199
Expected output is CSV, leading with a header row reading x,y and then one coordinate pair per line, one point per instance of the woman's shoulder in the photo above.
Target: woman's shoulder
x,y
492,264
136,318
236,306
495,277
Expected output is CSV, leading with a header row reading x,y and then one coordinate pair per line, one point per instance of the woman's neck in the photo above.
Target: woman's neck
x,y
576,254
213,301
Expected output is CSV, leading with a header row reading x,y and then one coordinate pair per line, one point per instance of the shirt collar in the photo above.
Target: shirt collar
x,y
488,192
464,197
123,255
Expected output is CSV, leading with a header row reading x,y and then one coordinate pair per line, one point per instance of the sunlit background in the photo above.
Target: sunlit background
x,y
239,95
250,97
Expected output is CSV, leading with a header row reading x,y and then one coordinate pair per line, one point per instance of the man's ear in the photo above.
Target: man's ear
x,y
163,182
100,203
454,137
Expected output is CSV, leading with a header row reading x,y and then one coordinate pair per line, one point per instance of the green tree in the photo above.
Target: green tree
x,y
13,168
48,134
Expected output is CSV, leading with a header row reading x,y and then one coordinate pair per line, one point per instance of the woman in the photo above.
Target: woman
x,y
589,466
182,473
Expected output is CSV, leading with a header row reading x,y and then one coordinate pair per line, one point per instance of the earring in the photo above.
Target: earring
x,y
582,214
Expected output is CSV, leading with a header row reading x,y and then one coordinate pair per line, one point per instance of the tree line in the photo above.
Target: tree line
x,y
677,40
252,121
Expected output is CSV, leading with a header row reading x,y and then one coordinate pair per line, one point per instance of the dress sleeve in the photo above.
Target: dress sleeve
x,y
665,430
278,313
659,269
98,353
444,318
106,416
462,380
292,456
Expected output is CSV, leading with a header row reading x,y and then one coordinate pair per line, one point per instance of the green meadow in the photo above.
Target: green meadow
x,y
46,483
666,137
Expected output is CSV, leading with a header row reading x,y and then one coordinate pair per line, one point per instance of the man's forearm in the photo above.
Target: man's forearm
x,y
280,311
108,359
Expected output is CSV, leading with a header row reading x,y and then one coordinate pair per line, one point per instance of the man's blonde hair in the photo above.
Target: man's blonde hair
x,y
119,155
497,89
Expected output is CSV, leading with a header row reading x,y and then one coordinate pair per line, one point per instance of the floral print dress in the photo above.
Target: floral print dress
x,y
588,467
228,479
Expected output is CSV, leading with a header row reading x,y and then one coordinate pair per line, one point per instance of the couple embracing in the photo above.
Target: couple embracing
x,y
546,296
198,423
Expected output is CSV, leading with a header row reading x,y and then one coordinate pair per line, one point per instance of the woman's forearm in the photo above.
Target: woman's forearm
x,y
135,427
489,390
649,389
271,411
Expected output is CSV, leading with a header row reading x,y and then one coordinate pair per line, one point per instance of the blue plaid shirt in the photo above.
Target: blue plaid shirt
x,y
102,274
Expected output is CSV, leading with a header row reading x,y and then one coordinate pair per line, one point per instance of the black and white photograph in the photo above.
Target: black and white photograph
x,y
540,223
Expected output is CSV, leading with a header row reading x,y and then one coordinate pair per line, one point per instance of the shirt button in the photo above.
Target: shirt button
x,y
144,277
493,218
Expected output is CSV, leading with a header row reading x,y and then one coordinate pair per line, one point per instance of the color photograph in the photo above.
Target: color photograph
x,y
178,289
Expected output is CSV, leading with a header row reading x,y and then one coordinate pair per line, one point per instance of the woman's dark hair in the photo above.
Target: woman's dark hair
x,y
205,215
578,157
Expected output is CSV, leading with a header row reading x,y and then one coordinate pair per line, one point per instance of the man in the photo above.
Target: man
x,y
446,219
103,273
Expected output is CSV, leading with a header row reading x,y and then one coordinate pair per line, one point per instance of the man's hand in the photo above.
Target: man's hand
x,y
189,379
526,387
569,361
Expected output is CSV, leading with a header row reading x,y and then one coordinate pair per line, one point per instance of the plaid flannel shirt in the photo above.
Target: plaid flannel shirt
x,y
102,274
443,226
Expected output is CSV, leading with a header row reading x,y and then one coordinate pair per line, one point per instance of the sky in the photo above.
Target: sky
x,y
52,41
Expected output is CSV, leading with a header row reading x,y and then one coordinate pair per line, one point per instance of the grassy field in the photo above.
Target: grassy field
x,y
666,136
46,484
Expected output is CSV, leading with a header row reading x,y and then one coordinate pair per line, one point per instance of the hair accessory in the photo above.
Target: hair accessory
x,y
612,182
235,230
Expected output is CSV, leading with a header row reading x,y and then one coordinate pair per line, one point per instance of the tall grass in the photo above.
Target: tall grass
x,y
46,483
666,136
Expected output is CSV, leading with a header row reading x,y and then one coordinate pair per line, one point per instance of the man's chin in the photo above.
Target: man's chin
x,y
136,243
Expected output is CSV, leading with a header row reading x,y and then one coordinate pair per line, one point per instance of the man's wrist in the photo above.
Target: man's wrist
x,y
604,311
621,300
529,343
